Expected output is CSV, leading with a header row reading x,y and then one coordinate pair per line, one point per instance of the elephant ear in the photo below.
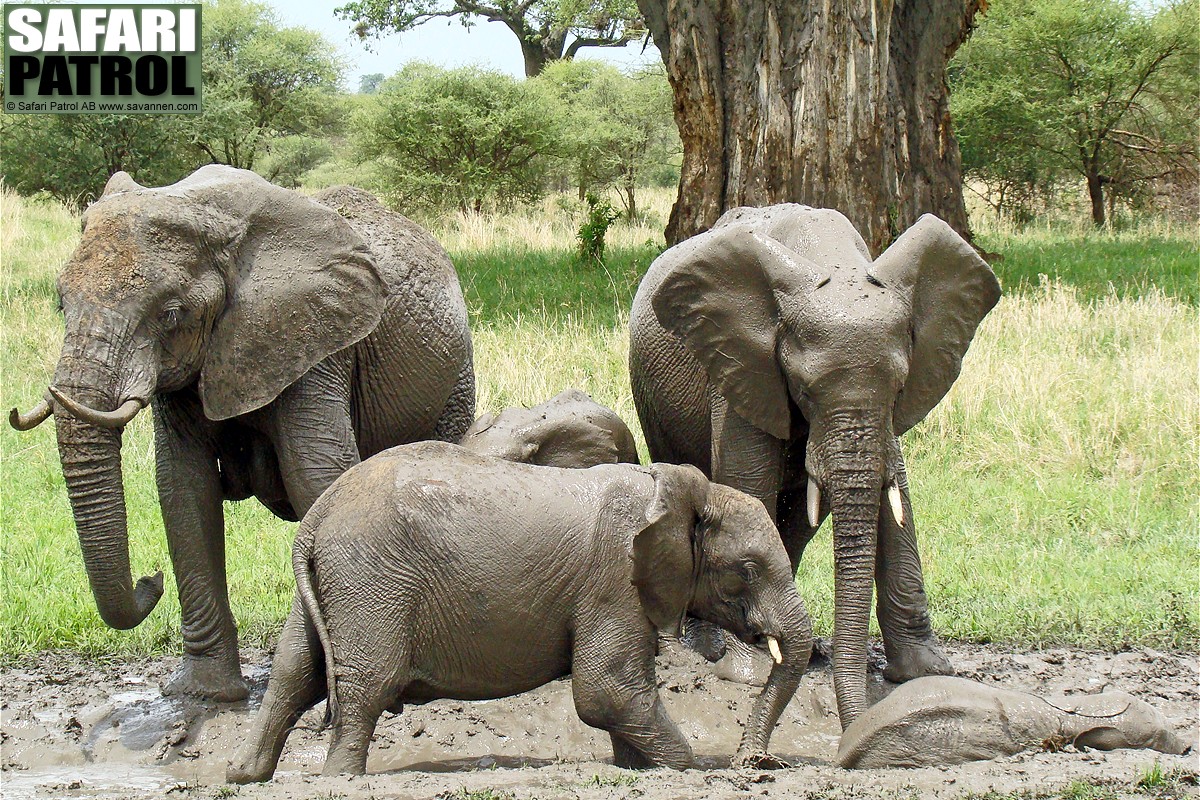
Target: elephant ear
x,y
303,286
951,290
666,551
719,298
574,440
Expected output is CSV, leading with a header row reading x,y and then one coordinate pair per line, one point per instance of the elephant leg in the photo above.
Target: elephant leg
x,y
297,684
459,411
750,460
361,701
615,690
901,605
313,434
189,491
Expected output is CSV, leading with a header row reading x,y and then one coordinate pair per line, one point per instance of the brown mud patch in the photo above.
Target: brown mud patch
x,y
70,728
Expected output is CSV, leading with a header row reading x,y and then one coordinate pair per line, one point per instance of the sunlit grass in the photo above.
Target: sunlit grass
x,y
1054,490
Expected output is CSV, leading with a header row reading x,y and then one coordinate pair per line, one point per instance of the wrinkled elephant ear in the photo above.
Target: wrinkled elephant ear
x,y
664,552
575,439
719,299
952,289
303,286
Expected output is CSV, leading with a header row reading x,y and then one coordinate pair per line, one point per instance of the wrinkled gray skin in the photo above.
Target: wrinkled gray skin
x,y
942,721
401,596
570,430
279,341
775,355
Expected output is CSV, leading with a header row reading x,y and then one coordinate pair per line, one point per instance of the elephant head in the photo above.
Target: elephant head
x,y
569,430
813,344
222,283
712,552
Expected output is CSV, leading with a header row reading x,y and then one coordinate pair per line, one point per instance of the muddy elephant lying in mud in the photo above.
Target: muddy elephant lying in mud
x,y
431,572
569,430
941,721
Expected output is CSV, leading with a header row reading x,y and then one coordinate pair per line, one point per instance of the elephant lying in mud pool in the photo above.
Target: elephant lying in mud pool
x,y
772,353
569,430
942,721
279,340
431,572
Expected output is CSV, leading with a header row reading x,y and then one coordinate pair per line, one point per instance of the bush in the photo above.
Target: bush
x,y
468,138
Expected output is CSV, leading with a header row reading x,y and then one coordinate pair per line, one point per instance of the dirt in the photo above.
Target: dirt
x,y
70,728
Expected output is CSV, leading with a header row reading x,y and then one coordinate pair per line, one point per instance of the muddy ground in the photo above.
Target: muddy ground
x,y
75,729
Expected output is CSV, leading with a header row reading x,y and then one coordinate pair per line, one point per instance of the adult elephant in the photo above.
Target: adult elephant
x,y
279,341
775,355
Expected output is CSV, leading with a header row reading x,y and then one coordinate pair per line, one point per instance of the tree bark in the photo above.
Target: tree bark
x,y
841,106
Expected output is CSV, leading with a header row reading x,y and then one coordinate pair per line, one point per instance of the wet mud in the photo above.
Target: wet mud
x,y
71,728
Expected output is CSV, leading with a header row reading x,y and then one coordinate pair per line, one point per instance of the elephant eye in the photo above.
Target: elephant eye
x,y
169,318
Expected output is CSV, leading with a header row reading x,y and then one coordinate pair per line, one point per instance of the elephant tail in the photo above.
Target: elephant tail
x,y
302,567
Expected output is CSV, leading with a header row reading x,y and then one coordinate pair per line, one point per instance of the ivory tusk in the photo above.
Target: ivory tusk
x,y
814,504
897,504
36,416
104,419
773,646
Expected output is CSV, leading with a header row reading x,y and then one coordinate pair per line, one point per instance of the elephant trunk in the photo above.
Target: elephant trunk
x,y
795,646
852,466
91,462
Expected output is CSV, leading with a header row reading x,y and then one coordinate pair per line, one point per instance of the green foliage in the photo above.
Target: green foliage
x,y
548,30
288,158
1105,90
71,156
468,138
621,129
600,215
369,84
269,94
261,81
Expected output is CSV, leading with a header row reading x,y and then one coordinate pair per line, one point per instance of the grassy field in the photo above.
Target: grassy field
x,y
1055,488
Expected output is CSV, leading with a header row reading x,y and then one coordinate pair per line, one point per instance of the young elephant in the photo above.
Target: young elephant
x,y
569,430
431,572
940,721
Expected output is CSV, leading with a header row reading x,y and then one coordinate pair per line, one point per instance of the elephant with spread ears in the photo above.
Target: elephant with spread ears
x,y
279,340
773,353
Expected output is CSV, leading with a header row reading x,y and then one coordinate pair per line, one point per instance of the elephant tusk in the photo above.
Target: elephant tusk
x,y
25,422
103,419
897,504
814,504
773,646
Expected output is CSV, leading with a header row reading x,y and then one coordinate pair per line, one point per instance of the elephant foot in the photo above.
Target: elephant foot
x,y
208,678
743,664
249,773
916,661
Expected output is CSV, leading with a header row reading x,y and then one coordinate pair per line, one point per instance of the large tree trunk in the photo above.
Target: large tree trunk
x,y
778,101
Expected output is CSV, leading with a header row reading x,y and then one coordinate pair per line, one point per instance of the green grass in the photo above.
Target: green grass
x,y
1055,488
1127,263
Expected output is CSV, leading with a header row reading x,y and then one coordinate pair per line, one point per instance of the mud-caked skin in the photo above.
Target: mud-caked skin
x,y
279,340
569,430
432,572
942,721
773,353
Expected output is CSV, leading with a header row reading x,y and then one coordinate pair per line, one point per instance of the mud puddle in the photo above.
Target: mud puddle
x,y
74,729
